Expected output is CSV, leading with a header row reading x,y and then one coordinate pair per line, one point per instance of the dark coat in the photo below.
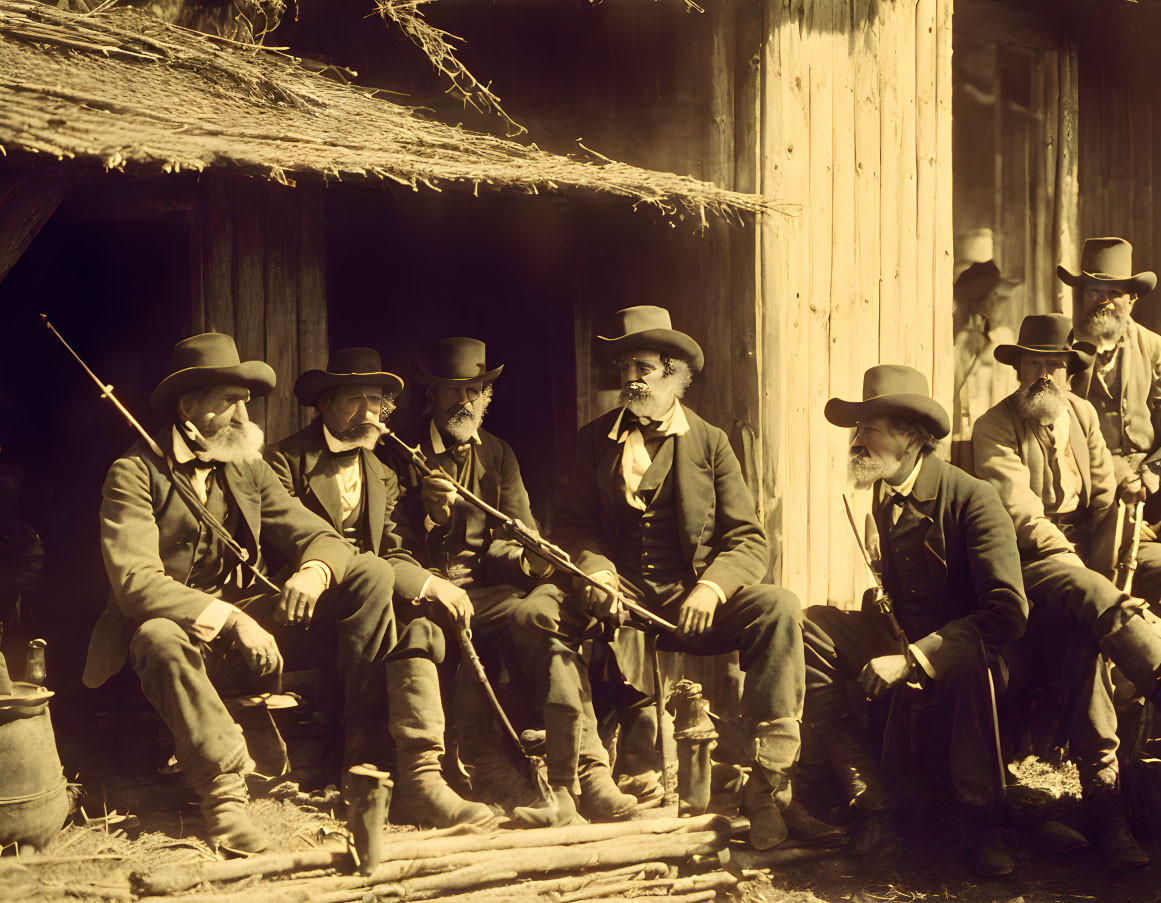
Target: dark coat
x,y
300,461
971,585
149,537
721,539
495,477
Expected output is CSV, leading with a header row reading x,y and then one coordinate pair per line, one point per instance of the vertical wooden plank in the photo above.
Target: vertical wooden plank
x,y
1045,91
819,29
218,255
249,290
280,290
913,310
942,342
196,312
846,344
1066,212
926,148
313,346
891,209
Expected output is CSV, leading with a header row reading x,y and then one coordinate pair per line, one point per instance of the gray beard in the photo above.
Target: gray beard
x,y
232,444
1040,407
644,402
865,471
1104,324
466,422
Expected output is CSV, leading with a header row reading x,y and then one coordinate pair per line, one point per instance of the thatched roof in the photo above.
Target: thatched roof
x,y
134,93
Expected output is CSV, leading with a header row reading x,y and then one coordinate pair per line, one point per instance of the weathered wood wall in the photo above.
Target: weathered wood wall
x,y
258,272
856,129
1120,146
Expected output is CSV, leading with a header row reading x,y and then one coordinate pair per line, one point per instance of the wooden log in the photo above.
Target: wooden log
x,y
280,281
537,889
176,877
694,883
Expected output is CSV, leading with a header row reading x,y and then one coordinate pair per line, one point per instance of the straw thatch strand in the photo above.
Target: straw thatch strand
x,y
126,89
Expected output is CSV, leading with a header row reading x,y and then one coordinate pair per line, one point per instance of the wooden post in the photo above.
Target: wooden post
x,y
280,295
250,226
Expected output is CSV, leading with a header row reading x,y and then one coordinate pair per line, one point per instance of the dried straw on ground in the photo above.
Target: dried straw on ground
x,y
134,93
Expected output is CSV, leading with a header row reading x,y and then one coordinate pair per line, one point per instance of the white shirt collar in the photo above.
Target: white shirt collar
x,y
181,450
905,488
439,446
673,423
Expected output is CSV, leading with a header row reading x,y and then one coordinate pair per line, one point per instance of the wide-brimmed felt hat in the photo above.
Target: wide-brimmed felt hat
x,y
979,280
1046,334
358,365
648,328
211,359
453,362
1109,261
892,390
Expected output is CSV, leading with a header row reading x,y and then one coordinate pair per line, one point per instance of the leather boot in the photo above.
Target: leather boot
x,y
494,775
557,812
1106,821
223,805
873,839
986,851
416,720
762,802
599,798
1134,647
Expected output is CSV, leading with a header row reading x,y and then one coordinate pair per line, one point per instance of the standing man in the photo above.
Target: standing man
x,y
331,467
1042,449
516,610
657,497
1123,380
189,615
951,572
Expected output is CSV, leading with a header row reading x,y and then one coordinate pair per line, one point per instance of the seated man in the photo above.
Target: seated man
x,y
331,467
951,571
514,606
1041,447
191,618
657,497
1123,380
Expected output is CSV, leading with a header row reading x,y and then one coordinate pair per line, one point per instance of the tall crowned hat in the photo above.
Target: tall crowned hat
x,y
892,390
1046,334
453,362
1109,261
210,359
648,328
358,365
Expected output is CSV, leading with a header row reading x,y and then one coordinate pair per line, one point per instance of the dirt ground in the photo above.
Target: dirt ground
x,y
93,863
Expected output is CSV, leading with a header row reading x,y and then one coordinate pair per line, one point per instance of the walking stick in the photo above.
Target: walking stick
x,y
180,483
1127,566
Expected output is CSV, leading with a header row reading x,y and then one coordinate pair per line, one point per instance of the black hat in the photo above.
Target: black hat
x,y
210,359
1046,334
892,390
347,365
648,328
453,362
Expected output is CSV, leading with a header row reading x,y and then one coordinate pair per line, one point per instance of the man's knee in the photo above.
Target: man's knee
x,y
160,640
775,604
421,638
369,575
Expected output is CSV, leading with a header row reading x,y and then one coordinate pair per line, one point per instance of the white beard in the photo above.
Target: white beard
x,y
1105,326
865,471
466,422
367,437
233,443
654,403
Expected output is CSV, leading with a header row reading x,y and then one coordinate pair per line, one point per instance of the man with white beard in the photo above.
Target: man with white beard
x,y
1123,381
330,465
191,618
1042,449
657,497
950,567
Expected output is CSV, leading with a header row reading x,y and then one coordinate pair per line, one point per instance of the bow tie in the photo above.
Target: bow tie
x,y
632,421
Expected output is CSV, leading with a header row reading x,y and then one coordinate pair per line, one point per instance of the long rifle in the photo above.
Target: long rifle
x,y
882,600
181,483
530,540
1127,566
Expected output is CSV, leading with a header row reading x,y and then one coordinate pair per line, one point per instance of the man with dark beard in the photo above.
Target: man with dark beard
x,y
331,467
515,608
950,567
1042,449
191,618
1123,381
657,496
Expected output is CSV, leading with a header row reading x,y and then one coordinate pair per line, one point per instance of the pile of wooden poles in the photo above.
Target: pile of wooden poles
x,y
685,860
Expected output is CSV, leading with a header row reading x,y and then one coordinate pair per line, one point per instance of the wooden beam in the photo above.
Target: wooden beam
x,y
28,201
